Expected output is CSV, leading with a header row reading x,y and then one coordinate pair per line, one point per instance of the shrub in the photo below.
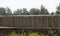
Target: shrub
x,y
13,34
58,32
33,34
23,34
42,34
50,33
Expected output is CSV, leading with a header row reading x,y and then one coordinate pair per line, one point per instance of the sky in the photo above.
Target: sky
x,y
17,4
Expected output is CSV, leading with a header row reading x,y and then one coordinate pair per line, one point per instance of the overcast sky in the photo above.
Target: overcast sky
x,y
15,4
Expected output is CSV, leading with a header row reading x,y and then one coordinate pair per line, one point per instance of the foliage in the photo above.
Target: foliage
x,y
30,34
43,10
24,11
42,34
13,34
23,34
33,34
58,9
58,32
17,12
51,33
1,34
34,11
52,13
8,11
2,11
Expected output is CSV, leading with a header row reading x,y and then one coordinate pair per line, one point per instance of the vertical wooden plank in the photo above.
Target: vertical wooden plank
x,y
59,21
32,18
47,21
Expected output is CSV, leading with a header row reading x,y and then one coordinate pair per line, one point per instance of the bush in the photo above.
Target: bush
x,y
58,32
33,34
23,34
13,34
42,34
50,33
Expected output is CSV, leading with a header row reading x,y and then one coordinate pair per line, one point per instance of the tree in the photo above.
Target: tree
x,y
58,9
25,11
18,12
52,13
21,11
43,10
15,12
8,11
2,11
34,11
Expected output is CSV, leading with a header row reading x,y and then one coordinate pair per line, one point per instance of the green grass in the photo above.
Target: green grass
x,y
29,34
6,27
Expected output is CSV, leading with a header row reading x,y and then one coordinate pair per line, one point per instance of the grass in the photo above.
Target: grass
x,y
29,34
6,27
24,34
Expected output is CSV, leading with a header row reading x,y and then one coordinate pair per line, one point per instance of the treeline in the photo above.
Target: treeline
x,y
24,11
